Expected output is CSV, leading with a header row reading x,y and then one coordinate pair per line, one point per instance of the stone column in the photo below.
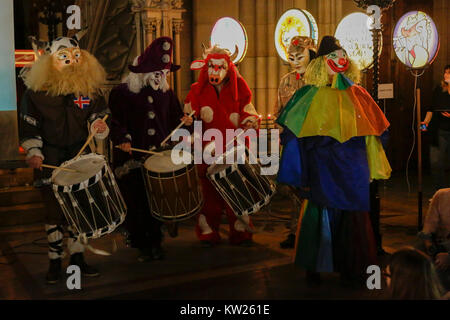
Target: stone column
x,y
177,28
247,68
282,7
273,58
261,46
330,13
150,27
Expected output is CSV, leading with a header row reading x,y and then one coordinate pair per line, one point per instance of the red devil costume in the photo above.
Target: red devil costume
x,y
144,111
221,99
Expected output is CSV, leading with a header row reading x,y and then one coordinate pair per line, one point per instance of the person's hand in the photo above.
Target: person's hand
x,y
250,125
442,261
35,162
187,120
428,246
446,114
100,126
423,126
125,147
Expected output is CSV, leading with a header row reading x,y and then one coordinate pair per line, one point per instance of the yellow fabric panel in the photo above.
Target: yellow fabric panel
x,y
332,113
343,114
379,166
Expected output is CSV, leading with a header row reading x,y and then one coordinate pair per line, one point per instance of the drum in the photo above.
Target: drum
x,y
173,190
90,198
241,184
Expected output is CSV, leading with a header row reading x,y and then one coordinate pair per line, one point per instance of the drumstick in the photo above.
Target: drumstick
x,y
91,136
144,151
59,168
173,132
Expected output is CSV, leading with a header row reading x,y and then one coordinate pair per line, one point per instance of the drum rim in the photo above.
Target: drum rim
x,y
258,205
171,171
183,217
102,231
170,174
83,184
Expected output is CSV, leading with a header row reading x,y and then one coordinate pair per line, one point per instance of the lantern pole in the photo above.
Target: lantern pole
x,y
419,158
376,7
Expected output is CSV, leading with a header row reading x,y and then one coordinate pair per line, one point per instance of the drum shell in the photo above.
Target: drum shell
x,y
240,185
99,209
173,196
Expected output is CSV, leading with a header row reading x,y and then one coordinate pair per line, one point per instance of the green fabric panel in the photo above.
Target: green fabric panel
x,y
309,238
342,82
294,117
292,102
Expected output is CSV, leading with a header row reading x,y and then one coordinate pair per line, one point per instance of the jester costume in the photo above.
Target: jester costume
x,y
332,150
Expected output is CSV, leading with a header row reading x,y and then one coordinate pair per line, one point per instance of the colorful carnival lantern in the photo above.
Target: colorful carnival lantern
x,y
359,45
229,33
294,22
416,44
416,40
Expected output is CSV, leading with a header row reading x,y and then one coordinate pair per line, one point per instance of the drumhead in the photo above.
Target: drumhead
x,y
164,163
86,165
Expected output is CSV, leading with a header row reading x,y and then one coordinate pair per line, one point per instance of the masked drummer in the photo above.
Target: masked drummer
x,y
144,112
222,100
62,100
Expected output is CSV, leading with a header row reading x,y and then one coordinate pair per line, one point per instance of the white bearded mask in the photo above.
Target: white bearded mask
x,y
217,71
157,80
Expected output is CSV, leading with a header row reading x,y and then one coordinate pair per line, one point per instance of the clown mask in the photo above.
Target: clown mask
x,y
337,62
157,79
217,71
67,57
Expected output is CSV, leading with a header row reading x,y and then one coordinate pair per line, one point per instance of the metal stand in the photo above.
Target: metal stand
x,y
374,192
375,201
419,161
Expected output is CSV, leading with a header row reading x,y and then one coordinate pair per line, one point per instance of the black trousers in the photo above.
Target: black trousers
x,y
144,230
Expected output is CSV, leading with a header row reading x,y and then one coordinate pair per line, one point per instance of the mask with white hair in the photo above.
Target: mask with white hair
x,y
157,80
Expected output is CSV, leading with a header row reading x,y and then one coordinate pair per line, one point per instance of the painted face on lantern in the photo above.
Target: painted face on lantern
x,y
217,71
299,60
337,62
157,79
67,57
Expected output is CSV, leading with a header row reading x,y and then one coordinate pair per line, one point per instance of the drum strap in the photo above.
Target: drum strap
x,y
85,242
97,251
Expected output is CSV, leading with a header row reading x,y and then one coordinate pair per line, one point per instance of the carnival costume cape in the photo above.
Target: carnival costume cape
x,y
332,146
